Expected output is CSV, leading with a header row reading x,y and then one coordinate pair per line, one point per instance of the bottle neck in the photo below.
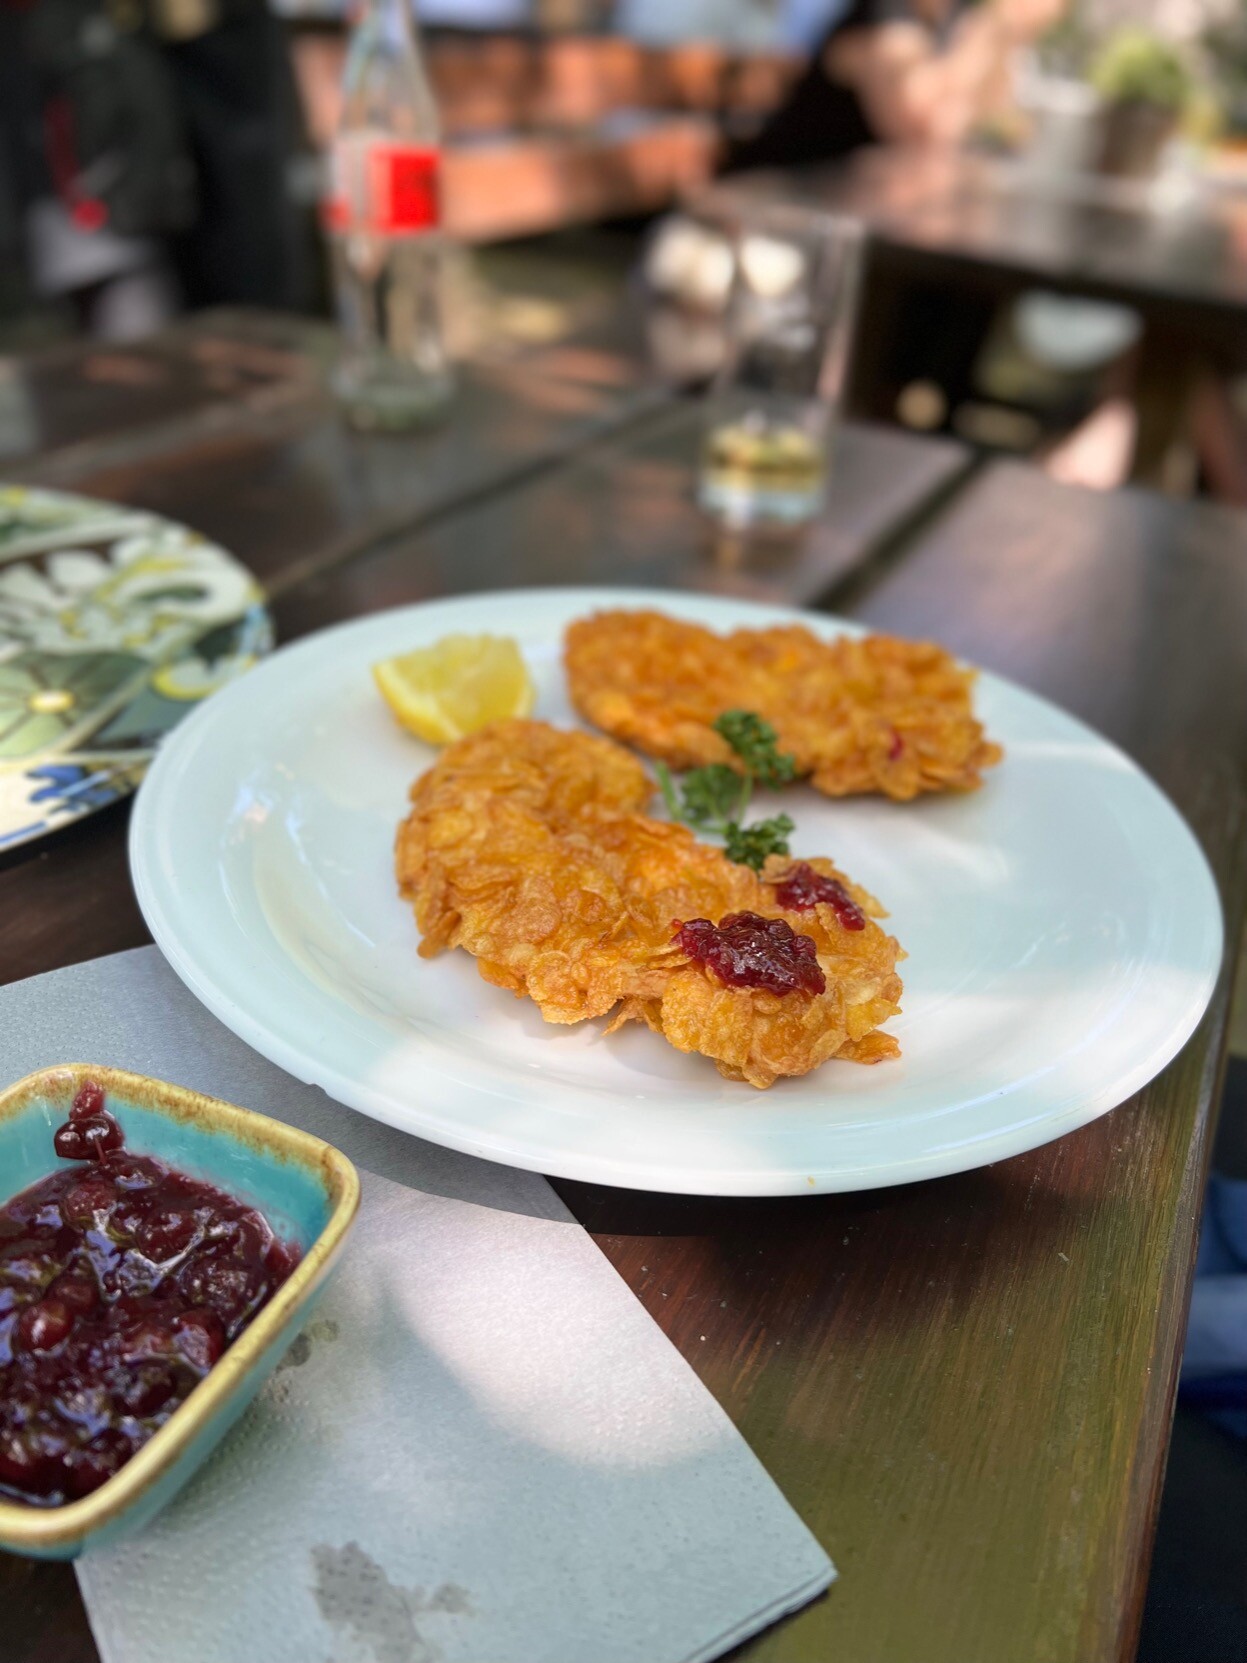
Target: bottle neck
x,y
392,21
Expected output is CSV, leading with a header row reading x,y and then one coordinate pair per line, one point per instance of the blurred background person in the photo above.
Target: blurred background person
x,y
253,239
150,160
899,72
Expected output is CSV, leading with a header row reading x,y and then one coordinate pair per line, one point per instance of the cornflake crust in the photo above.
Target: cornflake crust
x,y
528,847
858,714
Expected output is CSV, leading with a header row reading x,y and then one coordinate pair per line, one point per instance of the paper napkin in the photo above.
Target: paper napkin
x,y
481,1449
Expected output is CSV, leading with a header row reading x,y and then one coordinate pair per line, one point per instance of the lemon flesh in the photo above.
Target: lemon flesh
x,y
442,692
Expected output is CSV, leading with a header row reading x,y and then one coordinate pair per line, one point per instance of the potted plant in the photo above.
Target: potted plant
x,y
1146,85
1225,44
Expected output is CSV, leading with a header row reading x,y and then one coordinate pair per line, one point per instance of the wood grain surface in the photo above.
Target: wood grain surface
x,y
70,394
964,1387
624,513
280,479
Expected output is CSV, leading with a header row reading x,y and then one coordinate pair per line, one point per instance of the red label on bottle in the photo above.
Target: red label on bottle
x,y
404,189
386,189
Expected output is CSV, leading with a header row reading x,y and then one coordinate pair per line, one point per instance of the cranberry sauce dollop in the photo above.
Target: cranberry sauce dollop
x,y
121,1283
804,888
745,950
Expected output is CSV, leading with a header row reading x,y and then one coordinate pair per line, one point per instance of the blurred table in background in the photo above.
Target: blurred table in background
x,y
1173,242
225,421
982,228
623,513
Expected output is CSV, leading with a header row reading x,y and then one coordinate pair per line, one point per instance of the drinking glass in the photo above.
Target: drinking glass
x,y
771,412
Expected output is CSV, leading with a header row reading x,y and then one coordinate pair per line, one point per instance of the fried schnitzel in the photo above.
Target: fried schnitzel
x,y
528,846
858,714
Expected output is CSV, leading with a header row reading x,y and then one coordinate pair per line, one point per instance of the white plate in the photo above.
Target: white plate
x,y
1063,932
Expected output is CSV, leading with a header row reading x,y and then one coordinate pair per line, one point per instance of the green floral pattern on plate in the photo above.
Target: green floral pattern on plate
x,y
113,623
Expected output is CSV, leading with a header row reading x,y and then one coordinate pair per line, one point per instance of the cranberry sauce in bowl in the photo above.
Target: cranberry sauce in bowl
x,y
122,1280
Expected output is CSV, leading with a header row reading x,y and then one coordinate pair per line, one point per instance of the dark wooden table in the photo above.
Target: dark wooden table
x,y
226,423
1104,237
979,227
623,513
963,1386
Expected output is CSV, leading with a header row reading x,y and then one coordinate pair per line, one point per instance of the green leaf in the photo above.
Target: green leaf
x,y
756,744
667,788
716,797
713,795
750,845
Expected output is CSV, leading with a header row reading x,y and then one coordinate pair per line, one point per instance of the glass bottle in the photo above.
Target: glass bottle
x,y
383,216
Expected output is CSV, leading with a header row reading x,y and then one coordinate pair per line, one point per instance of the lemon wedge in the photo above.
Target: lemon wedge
x,y
454,687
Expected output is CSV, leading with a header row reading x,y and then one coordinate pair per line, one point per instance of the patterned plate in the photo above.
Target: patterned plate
x,y
113,623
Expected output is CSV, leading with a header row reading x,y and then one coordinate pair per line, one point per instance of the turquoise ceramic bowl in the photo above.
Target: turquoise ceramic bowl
x,y
307,1190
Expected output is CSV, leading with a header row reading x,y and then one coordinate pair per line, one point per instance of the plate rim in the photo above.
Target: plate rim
x,y
591,1166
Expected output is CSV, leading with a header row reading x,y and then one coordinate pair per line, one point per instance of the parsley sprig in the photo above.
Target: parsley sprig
x,y
756,744
715,798
750,845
